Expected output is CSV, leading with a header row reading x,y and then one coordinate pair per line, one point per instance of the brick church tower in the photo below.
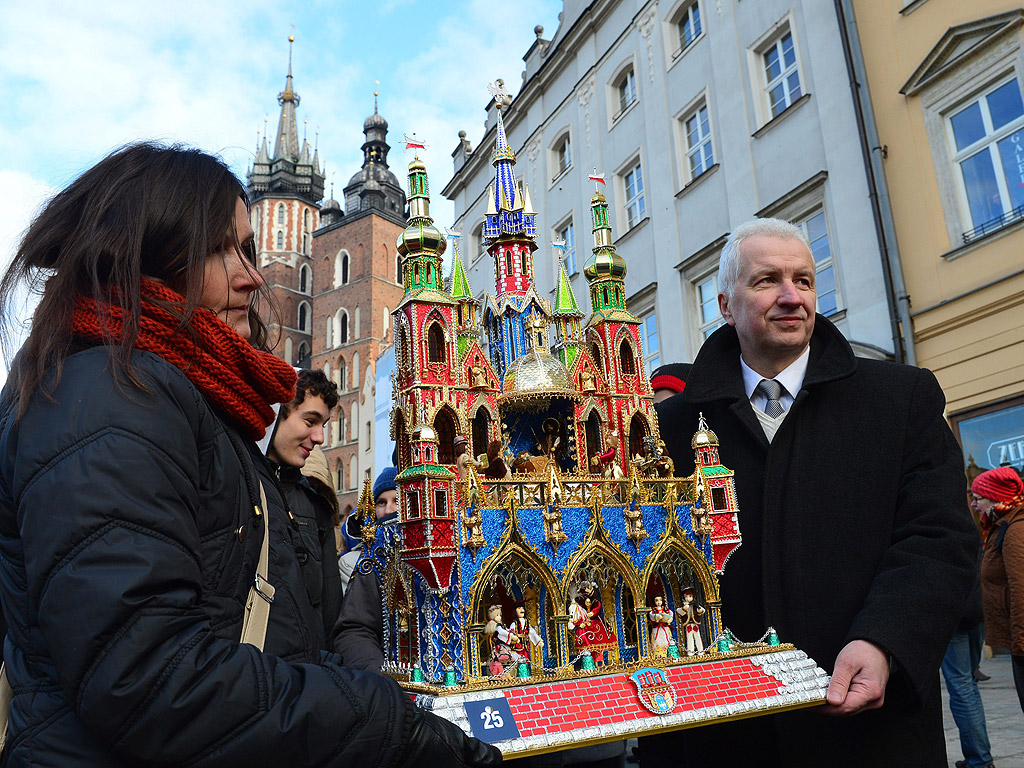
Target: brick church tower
x,y
285,190
356,285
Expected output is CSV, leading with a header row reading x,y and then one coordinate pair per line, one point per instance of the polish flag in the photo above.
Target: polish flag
x,y
597,177
411,142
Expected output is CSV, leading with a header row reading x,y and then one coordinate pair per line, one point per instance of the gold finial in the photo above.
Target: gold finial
x,y
291,38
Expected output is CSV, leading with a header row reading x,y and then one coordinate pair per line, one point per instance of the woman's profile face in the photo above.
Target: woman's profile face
x,y
229,278
658,602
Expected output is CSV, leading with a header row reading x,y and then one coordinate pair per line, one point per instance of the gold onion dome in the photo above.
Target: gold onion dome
x,y
605,262
416,164
536,374
421,236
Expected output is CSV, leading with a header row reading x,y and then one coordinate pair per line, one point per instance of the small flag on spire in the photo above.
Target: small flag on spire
x,y
558,245
411,142
597,177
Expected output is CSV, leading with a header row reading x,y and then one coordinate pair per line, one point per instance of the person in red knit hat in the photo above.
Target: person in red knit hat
x,y
998,495
140,528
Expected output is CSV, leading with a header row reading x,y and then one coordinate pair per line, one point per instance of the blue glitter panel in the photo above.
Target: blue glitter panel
x,y
575,524
470,564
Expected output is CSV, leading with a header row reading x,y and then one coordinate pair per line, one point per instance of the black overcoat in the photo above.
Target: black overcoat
x,y
124,572
853,527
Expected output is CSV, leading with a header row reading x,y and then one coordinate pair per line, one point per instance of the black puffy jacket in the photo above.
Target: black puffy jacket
x,y
123,576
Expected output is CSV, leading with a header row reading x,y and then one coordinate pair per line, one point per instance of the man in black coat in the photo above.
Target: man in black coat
x,y
298,431
850,488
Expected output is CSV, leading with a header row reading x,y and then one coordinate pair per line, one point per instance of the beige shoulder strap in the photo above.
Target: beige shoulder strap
x,y
6,694
261,594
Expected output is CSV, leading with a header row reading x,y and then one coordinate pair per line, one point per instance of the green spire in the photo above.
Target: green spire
x,y
460,282
465,305
567,318
565,300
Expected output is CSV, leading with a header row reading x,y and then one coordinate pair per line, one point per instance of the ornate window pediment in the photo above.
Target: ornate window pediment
x,y
959,43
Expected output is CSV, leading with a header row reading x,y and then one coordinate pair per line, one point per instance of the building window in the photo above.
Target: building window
x,y
563,155
816,228
987,138
303,317
301,357
341,262
305,279
707,299
689,26
635,206
280,240
625,89
652,349
342,375
476,242
782,77
280,213
567,235
699,152
341,328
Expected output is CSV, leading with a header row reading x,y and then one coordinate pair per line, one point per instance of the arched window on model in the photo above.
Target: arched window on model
x,y
524,261
508,261
435,344
595,352
627,360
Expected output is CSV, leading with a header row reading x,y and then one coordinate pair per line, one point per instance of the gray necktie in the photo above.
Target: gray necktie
x,y
771,389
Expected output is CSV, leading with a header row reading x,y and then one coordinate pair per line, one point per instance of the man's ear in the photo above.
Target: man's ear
x,y
723,308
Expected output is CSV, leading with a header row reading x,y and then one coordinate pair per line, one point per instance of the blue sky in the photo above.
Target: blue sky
x,y
82,78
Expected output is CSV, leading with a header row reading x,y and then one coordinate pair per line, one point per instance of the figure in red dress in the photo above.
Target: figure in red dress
x,y
588,619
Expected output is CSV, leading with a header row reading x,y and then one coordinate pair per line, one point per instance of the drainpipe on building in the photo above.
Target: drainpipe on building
x,y
885,226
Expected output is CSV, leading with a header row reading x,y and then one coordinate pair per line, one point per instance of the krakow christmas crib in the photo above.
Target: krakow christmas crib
x,y
549,583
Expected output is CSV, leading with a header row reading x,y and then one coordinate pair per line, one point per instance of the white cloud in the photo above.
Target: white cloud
x,y
21,196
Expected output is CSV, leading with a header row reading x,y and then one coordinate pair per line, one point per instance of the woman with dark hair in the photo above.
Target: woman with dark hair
x,y
131,510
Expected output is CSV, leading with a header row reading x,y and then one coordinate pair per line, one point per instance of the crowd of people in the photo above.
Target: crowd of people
x,y
154,455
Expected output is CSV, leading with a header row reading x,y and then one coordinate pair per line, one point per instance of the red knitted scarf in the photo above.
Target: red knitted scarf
x,y
239,380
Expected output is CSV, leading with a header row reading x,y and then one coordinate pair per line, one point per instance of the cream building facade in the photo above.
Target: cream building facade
x,y
946,82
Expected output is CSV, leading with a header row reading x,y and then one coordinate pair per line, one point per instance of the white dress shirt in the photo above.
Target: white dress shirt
x,y
791,379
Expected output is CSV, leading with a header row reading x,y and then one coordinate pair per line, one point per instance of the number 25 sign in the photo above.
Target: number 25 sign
x,y
491,720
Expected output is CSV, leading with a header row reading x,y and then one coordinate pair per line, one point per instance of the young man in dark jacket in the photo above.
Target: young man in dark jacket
x,y
299,431
850,488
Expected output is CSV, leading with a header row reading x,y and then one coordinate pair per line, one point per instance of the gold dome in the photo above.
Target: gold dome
x,y
421,236
605,262
417,165
703,437
536,374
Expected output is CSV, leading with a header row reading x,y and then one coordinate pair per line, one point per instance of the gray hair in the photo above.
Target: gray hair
x,y
729,263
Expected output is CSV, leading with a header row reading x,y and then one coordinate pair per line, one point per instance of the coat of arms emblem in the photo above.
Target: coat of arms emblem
x,y
654,690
